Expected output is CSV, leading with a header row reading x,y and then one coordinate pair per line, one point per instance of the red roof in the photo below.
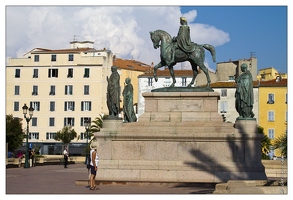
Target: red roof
x,y
131,65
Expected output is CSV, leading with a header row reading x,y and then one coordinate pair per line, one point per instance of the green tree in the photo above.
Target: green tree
x,y
281,144
14,133
265,143
97,125
65,135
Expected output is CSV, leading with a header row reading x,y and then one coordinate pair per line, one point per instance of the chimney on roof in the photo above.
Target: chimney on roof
x,y
81,44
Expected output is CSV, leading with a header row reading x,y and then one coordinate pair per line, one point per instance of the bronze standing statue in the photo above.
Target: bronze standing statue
x,y
113,93
181,49
128,110
244,93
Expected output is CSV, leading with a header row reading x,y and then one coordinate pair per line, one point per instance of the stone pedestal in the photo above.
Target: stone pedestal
x,y
179,138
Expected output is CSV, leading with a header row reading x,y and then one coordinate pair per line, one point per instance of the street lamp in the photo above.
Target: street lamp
x,y
31,110
87,126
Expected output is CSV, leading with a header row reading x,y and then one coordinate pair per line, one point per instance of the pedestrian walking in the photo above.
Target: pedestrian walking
x,y
65,154
20,157
32,157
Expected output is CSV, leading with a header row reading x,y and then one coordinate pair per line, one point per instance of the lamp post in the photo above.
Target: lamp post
x,y
31,110
87,126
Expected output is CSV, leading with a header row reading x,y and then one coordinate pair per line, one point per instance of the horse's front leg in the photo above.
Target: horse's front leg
x,y
159,65
173,76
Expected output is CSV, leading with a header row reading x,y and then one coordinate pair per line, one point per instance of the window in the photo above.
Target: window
x,y
16,90
36,73
271,116
53,73
51,121
53,57
35,105
86,73
52,90
17,73
224,107
50,135
271,133
82,119
223,92
231,78
183,81
167,81
35,90
70,57
52,105
16,106
68,121
271,99
34,121
150,81
86,106
33,136
70,73
69,106
82,136
68,89
86,90
36,58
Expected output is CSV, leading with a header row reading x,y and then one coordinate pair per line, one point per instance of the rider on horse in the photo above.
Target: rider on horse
x,y
182,40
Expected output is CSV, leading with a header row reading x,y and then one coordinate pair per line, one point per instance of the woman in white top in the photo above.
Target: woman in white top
x,y
94,166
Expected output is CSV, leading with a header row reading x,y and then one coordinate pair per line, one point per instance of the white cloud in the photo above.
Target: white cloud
x,y
124,30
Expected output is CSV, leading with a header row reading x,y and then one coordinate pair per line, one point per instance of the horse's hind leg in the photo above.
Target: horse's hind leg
x,y
205,70
195,72
171,70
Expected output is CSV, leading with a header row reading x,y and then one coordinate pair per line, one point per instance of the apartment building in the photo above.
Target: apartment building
x,y
273,108
270,73
64,87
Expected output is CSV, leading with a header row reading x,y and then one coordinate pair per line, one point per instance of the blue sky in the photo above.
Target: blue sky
x,y
259,29
235,31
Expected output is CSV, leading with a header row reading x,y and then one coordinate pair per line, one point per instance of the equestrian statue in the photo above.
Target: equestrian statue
x,y
181,49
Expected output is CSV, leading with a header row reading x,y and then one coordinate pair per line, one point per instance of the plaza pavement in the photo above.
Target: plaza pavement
x,y
55,179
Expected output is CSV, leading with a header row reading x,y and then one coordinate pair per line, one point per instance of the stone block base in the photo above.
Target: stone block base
x,y
179,138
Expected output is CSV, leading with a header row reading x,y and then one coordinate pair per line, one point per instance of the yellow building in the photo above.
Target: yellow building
x,y
273,108
270,73
64,87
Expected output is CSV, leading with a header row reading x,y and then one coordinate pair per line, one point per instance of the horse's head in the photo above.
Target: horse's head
x,y
155,39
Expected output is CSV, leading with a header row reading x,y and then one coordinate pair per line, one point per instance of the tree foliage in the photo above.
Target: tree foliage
x,y
14,133
65,135
265,143
281,144
97,125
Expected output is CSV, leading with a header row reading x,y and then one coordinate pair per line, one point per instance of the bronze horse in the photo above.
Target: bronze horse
x,y
196,58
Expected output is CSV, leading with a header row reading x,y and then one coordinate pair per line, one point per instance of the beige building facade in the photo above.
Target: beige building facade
x,y
64,87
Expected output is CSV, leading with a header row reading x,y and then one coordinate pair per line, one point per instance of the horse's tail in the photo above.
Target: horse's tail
x,y
211,49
